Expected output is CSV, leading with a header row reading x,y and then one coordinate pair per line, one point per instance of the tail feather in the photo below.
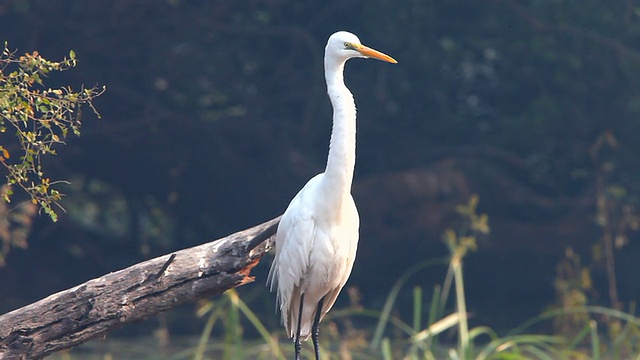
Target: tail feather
x,y
290,316
272,277
291,310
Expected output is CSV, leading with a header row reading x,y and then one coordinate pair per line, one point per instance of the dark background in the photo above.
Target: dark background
x,y
216,114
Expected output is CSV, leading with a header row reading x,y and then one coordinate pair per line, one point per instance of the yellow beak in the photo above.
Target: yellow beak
x,y
369,52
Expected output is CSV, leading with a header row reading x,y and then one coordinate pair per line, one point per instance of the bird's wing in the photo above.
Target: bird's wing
x,y
294,241
349,239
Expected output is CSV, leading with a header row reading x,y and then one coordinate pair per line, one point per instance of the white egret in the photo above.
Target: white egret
x,y
318,233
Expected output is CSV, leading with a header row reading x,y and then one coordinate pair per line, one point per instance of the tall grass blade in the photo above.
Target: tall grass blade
x,y
463,325
595,340
513,343
206,333
531,351
446,290
432,342
576,310
393,294
257,324
233,330
579,337
375,314
417,308
386,349
433,309
482,330
438,327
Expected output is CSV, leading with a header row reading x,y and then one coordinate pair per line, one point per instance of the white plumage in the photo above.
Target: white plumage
x,y
315,254
318,234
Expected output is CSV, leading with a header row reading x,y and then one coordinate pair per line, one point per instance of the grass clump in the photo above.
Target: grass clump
x,y
443,333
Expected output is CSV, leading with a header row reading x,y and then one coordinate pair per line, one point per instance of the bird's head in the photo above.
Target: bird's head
x,y
343,46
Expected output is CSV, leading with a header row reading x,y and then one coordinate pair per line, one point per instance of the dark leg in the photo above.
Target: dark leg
x,y
297,345
315,330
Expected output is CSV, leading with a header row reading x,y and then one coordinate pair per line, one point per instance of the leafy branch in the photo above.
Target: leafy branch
x,y
40,118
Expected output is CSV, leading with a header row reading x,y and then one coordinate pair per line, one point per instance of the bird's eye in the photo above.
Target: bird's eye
x,y
347,45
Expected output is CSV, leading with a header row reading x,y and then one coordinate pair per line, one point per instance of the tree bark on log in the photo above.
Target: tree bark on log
x,y
90,310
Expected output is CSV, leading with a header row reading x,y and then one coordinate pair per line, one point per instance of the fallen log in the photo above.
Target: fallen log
x,y
91,309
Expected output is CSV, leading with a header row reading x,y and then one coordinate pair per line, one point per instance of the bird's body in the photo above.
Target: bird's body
x,y
333,237
317,236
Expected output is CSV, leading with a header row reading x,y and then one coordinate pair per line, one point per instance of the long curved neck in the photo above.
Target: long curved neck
x,y
338,175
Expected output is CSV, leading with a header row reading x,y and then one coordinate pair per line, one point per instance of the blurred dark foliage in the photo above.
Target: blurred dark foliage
x,y
215,115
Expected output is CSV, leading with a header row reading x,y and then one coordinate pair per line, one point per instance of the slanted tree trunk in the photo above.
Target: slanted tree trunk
x,y
89,310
